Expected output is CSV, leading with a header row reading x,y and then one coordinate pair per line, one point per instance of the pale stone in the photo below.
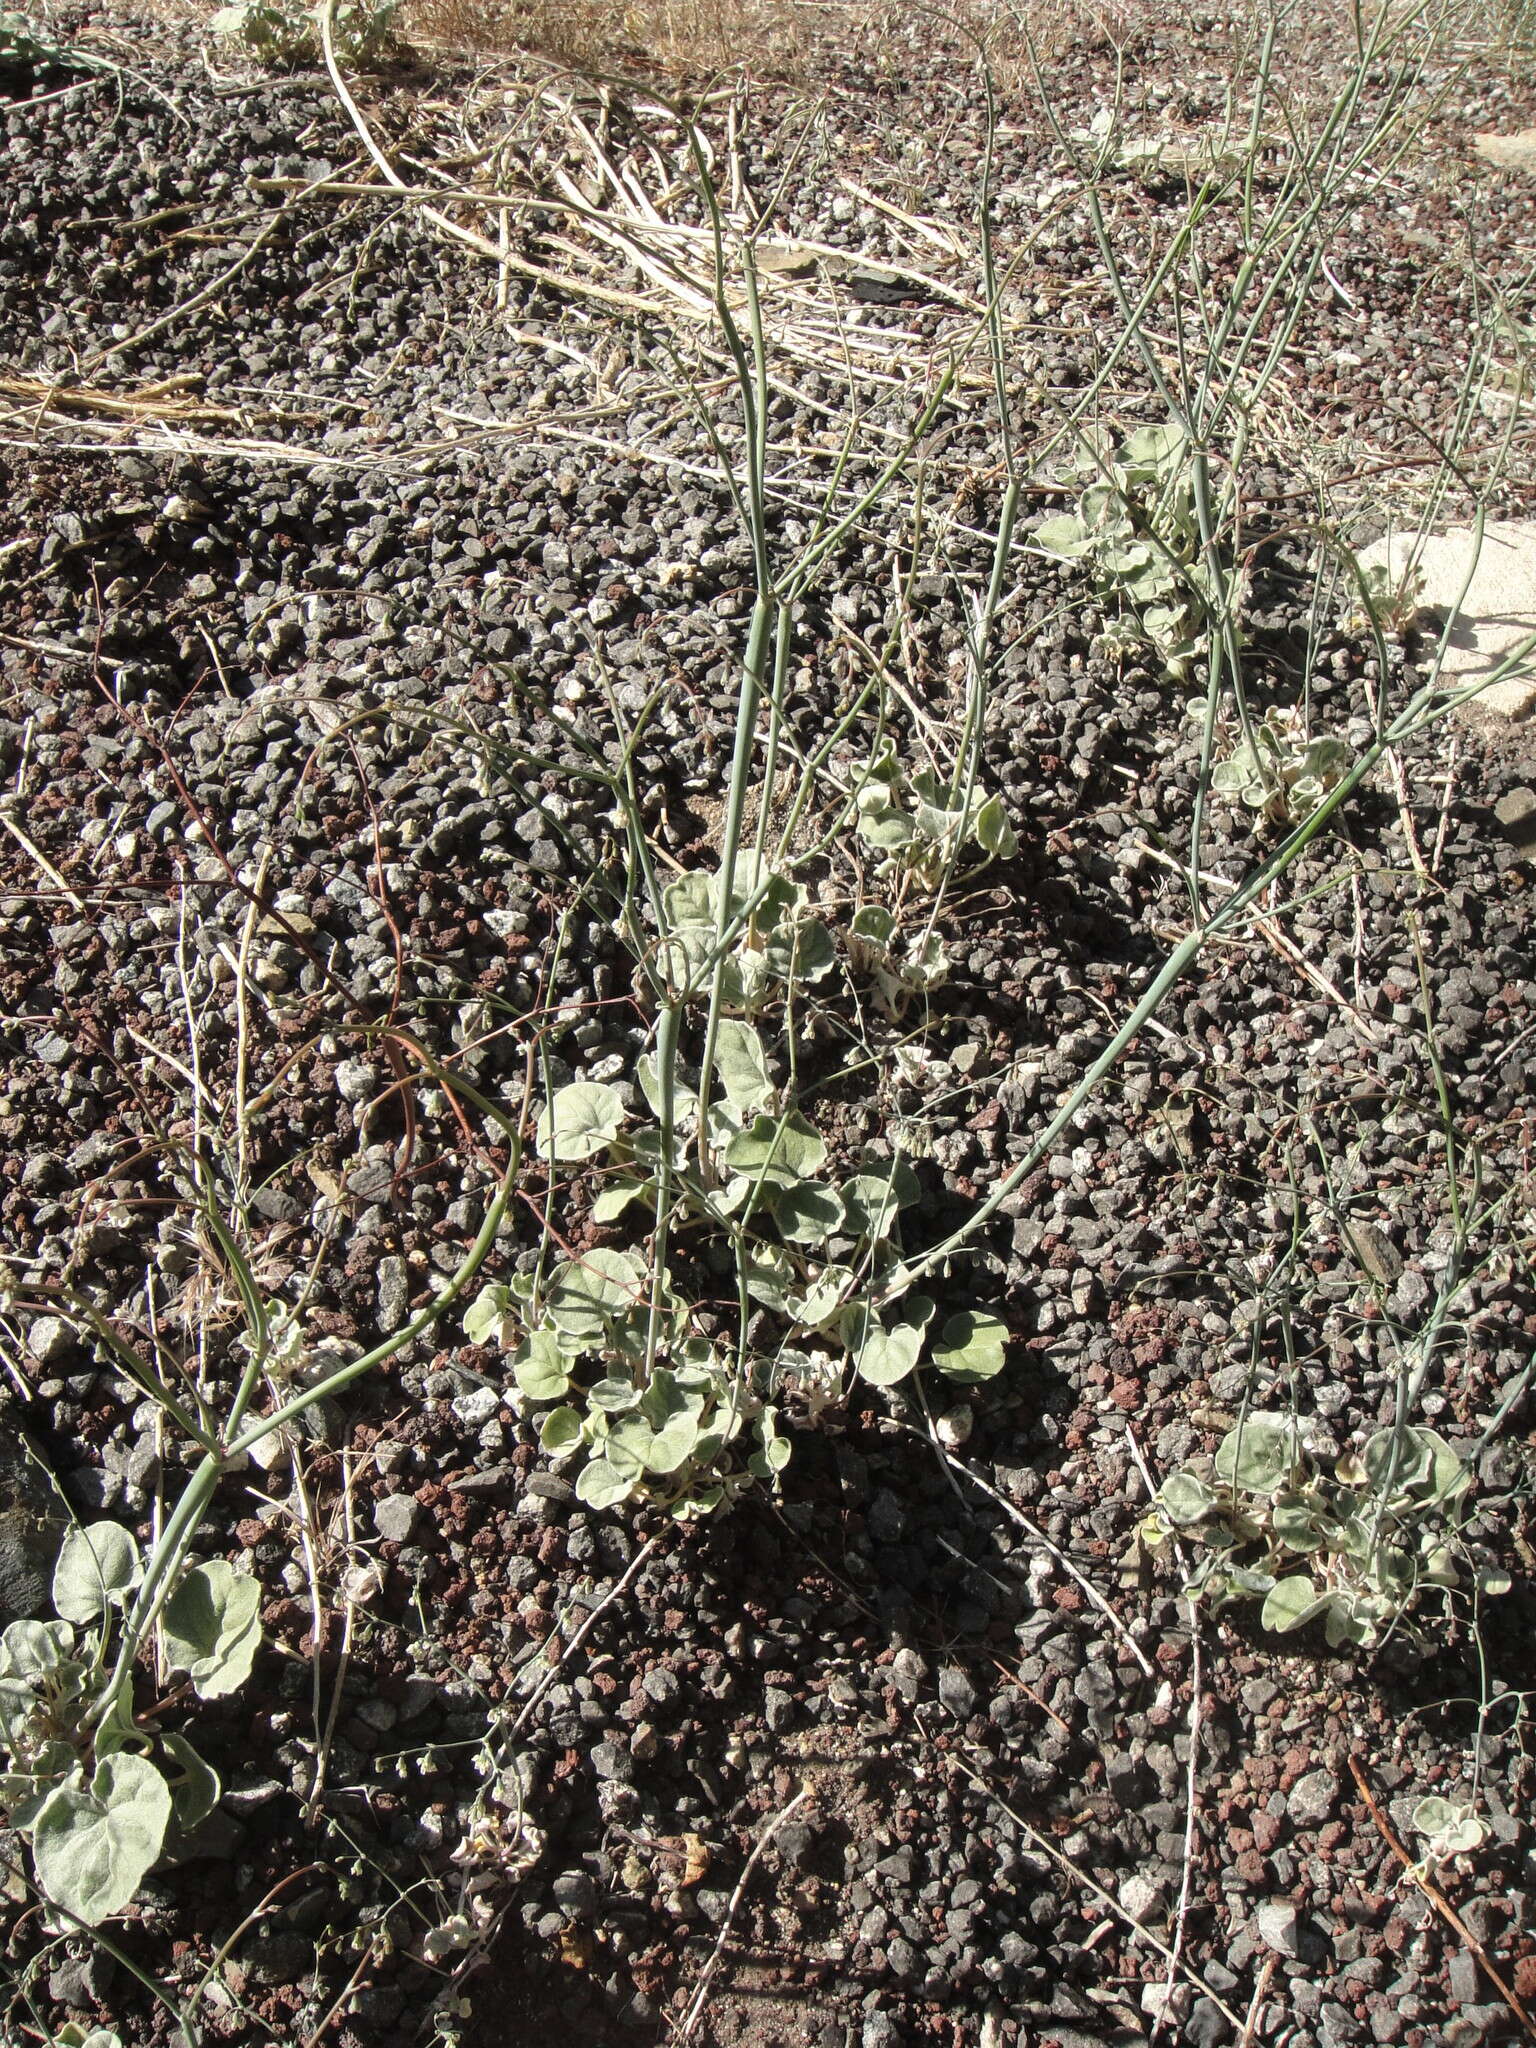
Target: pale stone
x,y
1510,152
1489,595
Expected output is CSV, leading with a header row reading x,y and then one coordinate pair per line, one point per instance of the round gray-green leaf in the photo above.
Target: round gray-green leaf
x,y
587,1293
96,1566
611,1201
93,1845
580,1120
1425,1463
486,1313
886,829
540,1368
886,1356
599,1485
993,832
1451,1828
561,1431
1258,1454
195,1794
807,1214
616,1396
212,1627
814,954
971,1348
1343,1623
871,1204
1294,1521
1066,536
673,1444
779,1151
1185,1499
872,923
1290,1603
742,1069
29,1648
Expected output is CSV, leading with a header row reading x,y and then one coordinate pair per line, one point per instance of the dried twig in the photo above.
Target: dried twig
x,y
1438,1900
695,2010
1038,1535
1106,1898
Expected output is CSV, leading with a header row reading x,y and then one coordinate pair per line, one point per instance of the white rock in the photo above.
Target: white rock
x,y
1490,597
1141,1897
1279,1926
1515,152
355,1081
477,1406
49,1339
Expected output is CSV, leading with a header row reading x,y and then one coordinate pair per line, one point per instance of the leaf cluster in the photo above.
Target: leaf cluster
x,y
641,1392
1356,1545
921,825
1136,531
93,1791
1281,772
283,32
776,940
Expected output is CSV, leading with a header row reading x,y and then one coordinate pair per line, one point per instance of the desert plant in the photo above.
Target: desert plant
x,y
622,1351
284,32
1278,770
1136,529
1356,1545
93,1791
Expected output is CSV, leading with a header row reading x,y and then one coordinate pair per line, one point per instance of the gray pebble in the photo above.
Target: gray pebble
x,y
1279,1926
395,1517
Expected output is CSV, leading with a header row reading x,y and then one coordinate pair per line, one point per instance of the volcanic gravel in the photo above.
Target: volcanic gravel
x,y
299,696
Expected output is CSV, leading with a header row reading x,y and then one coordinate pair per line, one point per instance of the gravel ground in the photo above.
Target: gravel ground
x,y
264,664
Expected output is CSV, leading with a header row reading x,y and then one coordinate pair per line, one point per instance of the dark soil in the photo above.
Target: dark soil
x,y
265,664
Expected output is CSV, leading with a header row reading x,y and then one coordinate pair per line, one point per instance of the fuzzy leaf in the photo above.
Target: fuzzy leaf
x,y
613,1396
671,1446
601,1485
871,1205
29,1648
1290,1603
1450,1827
1151,453
971,1348
887,1356
1185,1499
580,1120
769,1276
1258,1454
1066,537
96,1567
813,955
685,1102
613,1199
778,1151
873,924
195,1793
883,1355
1425,1464
587,1294
1295,1522
93,1845
742,1068
212,1627
561,1432
993,832
886,828
807,1214
486,1313
539,1367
